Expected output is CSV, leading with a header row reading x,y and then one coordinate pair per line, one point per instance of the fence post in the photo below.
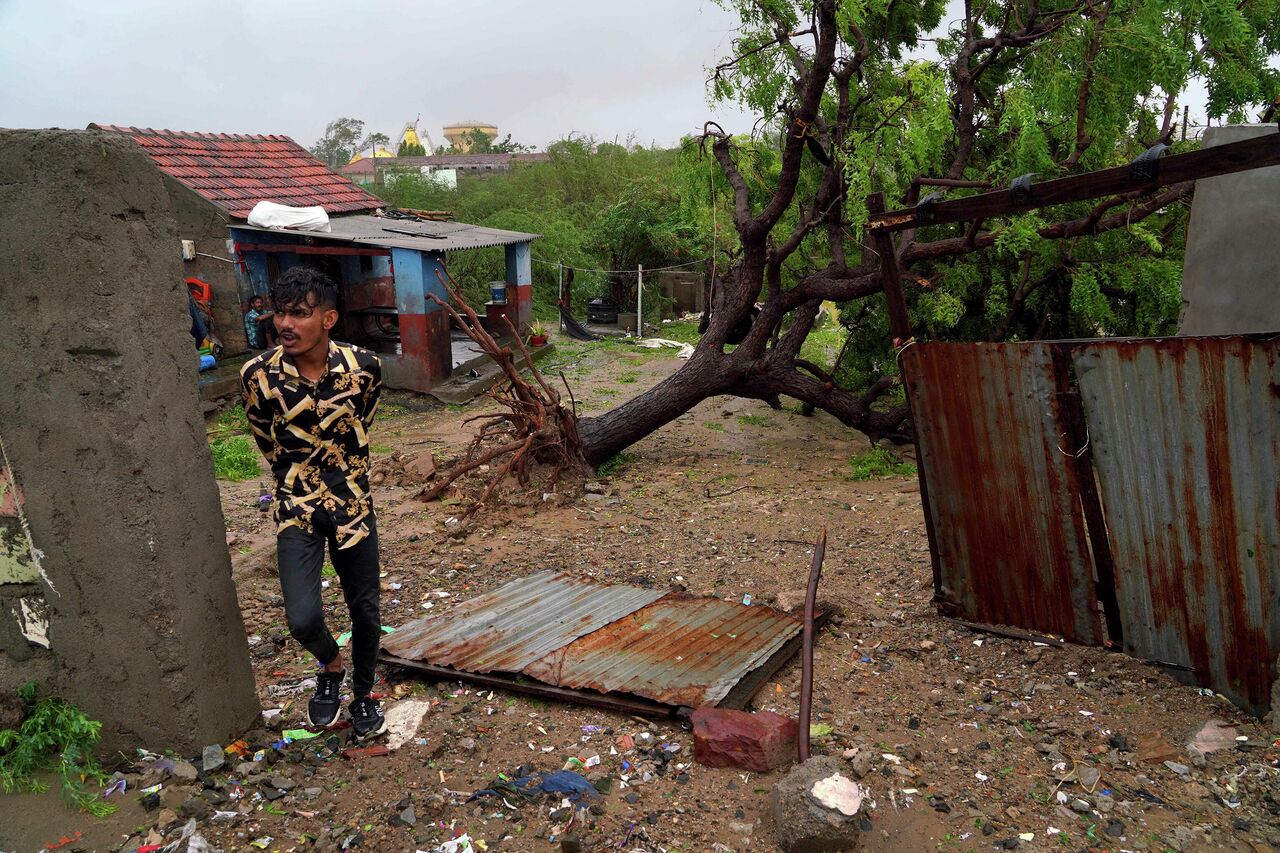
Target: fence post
x,y
640,300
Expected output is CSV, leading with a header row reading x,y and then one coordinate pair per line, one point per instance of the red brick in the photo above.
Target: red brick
x,y
761,741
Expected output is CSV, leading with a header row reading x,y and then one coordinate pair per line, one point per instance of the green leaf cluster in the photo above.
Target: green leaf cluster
x,y
54,736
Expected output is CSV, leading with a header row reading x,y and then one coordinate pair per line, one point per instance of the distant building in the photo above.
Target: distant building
x,y
460,133
362,171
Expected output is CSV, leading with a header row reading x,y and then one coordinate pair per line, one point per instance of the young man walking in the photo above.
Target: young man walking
x,y
310,402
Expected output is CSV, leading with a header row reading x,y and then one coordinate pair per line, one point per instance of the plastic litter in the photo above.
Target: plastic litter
x,y
300,734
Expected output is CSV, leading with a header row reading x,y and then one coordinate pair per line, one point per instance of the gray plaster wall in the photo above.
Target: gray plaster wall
x,y
199,220
101,423
1231,275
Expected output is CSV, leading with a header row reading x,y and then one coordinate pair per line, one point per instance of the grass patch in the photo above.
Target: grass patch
x,y
328,571
230,422
234,458
714,425
54,736
615,463
684,331
753,420
629,377
878,462
380,448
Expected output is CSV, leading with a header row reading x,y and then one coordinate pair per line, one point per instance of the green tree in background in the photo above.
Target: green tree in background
x,y
411,149
340,142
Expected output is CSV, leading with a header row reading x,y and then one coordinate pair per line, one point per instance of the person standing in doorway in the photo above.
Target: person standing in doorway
x,y
259,325
310,402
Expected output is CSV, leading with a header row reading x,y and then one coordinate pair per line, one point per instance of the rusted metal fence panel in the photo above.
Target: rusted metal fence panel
x,y
1186,438
1010,543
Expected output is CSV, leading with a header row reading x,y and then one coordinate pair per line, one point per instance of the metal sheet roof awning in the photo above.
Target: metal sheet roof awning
x,y
615,645
424,236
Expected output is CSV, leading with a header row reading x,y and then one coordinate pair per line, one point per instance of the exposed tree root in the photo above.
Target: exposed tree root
x,y
537,428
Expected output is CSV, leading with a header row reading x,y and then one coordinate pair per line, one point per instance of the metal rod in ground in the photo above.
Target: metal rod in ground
x,y
640,300
806,655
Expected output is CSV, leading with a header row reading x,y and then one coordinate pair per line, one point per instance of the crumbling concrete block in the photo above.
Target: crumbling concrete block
x,y
816,808
761,742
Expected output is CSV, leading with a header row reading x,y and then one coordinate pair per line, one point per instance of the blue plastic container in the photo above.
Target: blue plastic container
x,y
498,292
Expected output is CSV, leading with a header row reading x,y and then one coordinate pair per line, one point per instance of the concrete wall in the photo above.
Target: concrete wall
x,y
100,425
200,221
1231,275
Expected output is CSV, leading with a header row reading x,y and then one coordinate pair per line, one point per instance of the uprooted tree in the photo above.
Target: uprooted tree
x,y
1050,88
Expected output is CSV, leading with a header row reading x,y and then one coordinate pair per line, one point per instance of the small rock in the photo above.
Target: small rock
x,y
213,758
283,783
927,645
196,807
1080,806
594,488
151,801
408,817
1181,769
468,744
760,742
1114,828
185,770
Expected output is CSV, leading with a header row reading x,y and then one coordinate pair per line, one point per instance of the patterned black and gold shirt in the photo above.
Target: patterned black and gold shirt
x,y
315,435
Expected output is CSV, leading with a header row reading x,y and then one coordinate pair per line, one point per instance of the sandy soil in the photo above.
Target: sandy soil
x,y
960,737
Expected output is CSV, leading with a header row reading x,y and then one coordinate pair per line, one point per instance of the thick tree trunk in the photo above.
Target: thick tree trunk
x,y
705,375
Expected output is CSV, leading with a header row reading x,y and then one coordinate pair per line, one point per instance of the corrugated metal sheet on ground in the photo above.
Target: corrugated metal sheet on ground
x,y
680,650
519,623
670,647
1010,535
1186,440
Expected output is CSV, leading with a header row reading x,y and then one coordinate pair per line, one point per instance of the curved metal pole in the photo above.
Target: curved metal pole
x,y
806,661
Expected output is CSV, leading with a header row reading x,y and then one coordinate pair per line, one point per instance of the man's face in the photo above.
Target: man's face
x,y
256,303
304,326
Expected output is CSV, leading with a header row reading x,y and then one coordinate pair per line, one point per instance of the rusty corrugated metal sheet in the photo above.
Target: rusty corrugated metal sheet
x,y
1010,538
1186,440
680,650
518,623
671,647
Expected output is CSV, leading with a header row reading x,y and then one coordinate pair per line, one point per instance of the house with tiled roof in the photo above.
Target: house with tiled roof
x,y
387,265
215,179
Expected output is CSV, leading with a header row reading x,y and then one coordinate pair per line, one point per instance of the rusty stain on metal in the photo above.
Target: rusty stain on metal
x,y
670,647
1186,439
1012,547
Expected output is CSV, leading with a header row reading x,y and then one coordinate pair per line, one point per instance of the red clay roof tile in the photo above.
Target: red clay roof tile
x,y
237,171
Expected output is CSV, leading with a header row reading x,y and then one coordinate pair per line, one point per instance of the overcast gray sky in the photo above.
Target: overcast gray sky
x,y
537,70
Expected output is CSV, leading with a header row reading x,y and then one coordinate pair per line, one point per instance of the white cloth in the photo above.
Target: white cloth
x,y
268,214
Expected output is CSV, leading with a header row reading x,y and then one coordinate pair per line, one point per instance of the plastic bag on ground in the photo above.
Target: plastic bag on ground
x,y
268,214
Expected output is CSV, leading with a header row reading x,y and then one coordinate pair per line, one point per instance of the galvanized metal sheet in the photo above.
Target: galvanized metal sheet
x,y
1186,440
680,650
425,236
1009,535
518,623
671,647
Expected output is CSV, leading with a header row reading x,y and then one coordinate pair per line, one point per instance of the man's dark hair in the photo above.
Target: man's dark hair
x,y
297,283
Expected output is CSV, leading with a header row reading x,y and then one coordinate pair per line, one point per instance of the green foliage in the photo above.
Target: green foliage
x,y
877,463
753,420
54,736
597,205
614,464
715,426
230,422
234,458
340,142
411,149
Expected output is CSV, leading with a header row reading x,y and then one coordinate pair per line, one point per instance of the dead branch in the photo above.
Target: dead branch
x,y
536,428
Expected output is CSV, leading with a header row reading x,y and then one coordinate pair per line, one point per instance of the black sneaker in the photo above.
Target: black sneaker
x,y
323,708
366,718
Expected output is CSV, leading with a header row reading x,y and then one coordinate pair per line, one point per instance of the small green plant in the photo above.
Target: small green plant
x,y
380,448
234,458
714,425
615,463
753,420
230,422
54,736
328,571
628,377
876,463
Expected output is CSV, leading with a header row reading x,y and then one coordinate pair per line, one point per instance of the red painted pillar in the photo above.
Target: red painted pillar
x,y
520,284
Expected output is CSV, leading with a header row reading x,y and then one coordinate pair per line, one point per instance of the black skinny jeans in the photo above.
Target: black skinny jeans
x,y
301,558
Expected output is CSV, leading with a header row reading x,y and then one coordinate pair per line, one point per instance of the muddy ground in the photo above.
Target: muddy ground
x,y
962,738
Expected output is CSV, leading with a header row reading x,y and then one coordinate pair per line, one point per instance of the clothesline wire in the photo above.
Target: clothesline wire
x,y
633,270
